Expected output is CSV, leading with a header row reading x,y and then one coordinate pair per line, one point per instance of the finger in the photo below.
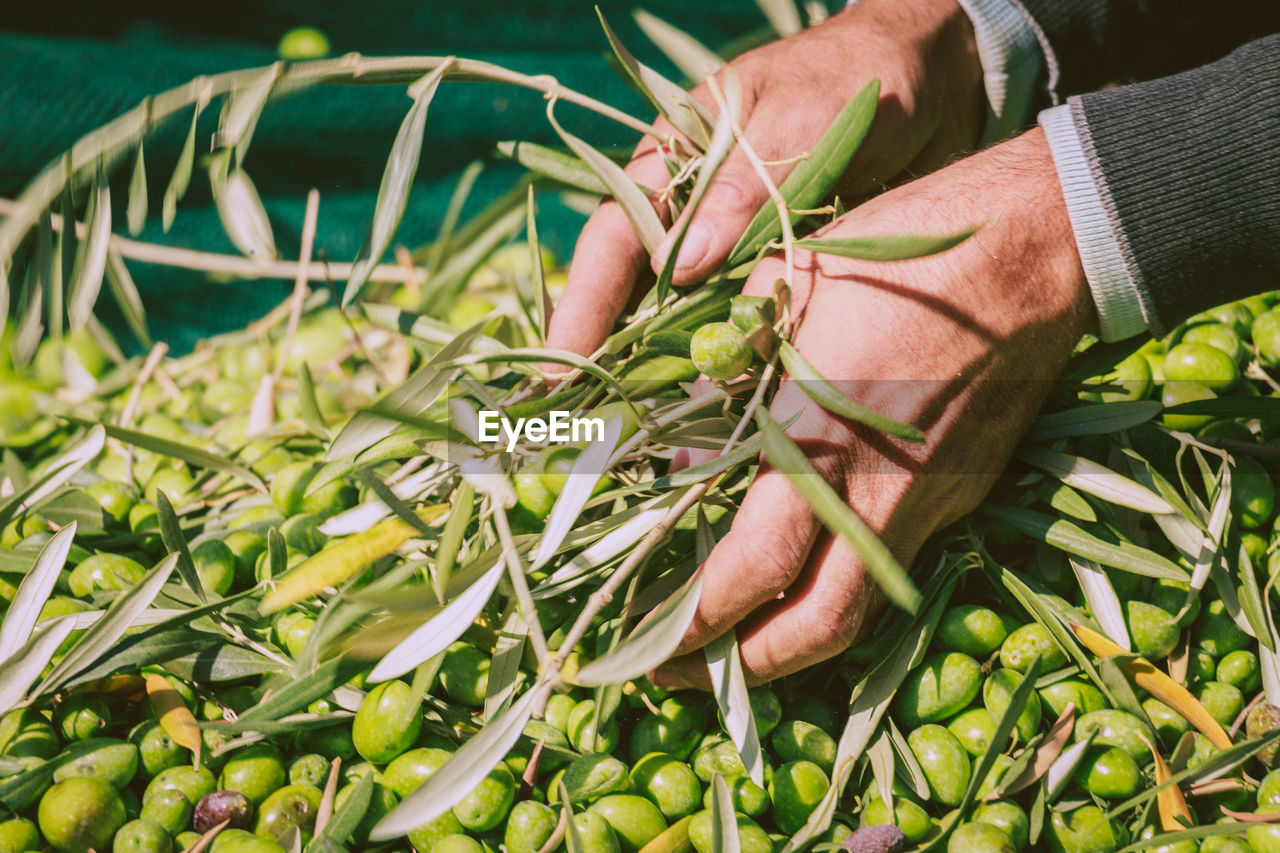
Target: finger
x,y
608,262
732,200
761,555
819,617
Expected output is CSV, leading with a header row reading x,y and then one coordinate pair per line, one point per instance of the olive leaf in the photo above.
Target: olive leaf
x,y
91,255
448,785
165,447
830,398
653,642
729,685
126,296
1103,602
56,474
685,113
1073,539
813,178
397,180
724,822
1097,480
630,198
1098,419
120,617
243,216
587,469
22,669
888,247
33,592
688,54
136,211
438,632
783,16
557,165
784,455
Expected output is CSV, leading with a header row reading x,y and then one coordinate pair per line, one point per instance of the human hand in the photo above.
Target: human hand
x,y
930,107
963,344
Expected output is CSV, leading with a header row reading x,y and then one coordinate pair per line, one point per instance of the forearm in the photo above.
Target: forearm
x,y
1173,187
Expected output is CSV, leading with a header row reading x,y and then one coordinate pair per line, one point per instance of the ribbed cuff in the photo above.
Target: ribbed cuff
x,y
1115,292
1011,61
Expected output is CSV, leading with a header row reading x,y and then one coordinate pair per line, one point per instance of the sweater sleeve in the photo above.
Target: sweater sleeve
x,y
1090,43
1173,188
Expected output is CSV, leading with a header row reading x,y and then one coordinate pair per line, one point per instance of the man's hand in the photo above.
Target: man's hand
x,y
931,107
963,344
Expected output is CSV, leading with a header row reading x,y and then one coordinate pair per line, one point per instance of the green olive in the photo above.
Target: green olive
x,y
795,791
944,761
194,782
1217,633
634,820
486,805
940,687
748,797
286,808
675,729
668,782
1084,830
997,694
1177,393
796,740
1169,724
751,837
1007,815
1153,630
255,771
980,838
972,629
170,809
1223,701
720,351
1116,728
1197,362
529,826
1026,643
141,836
464,674
387,723
303,43
406,773
1082,694
1109,773
908,816
975,729
102,572
18,835
81,716
80,813
113,761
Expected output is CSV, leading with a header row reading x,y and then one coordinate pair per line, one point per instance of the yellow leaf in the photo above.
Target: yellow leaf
x,y
343,561
1158,684
1174,814
175,717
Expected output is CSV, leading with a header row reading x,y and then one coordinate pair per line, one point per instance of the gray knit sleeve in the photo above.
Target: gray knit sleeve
x,y
1090,43
1188,172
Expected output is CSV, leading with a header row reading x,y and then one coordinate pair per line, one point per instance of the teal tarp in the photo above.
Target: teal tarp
x,y
70,67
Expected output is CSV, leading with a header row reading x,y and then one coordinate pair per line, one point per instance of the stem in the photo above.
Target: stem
x,y
519,584
233,265
108,144
601,597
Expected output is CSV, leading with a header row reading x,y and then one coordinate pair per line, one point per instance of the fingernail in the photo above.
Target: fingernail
x,y
697,242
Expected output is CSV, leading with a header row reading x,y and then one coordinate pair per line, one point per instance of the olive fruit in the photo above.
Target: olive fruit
x,y
634,820
720,351
972,629
81,813
288,807
1110,773
529,826
254,771
1084,830
795,740
942,685
81,716
1112,727
669,783
1263,718
997,694
1153,630
214,808
979,837
1026,643
141,836
387,723
876,838
944,761
751,838
170,809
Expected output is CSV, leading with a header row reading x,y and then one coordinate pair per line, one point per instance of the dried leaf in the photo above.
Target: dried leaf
x,y
1046,754
175,717
337,563
1158,684
1170,803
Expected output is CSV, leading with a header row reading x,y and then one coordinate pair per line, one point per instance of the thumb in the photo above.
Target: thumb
x,y
730,203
